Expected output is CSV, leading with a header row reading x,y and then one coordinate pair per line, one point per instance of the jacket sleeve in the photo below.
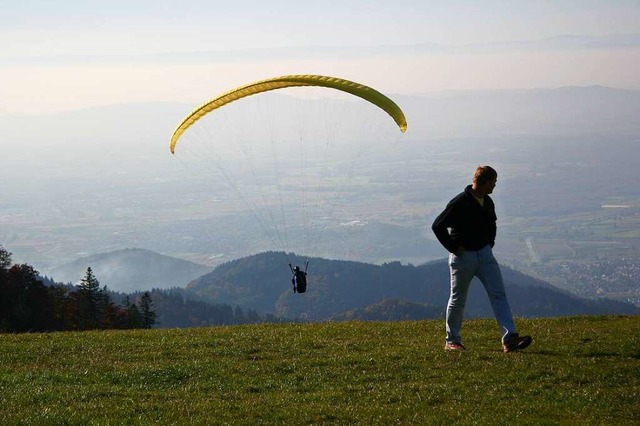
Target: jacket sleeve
x,y
493,228
493,235
441,225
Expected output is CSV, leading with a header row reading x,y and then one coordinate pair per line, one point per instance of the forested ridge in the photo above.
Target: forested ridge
x,y
336,287
257,289
29,302
32,303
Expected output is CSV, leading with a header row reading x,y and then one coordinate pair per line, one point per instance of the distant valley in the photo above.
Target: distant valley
x,y
102,180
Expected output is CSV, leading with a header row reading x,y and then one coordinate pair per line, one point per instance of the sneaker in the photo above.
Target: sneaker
x,y
453,347
516,342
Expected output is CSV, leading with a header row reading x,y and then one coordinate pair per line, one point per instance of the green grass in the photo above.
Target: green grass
x,y
583,370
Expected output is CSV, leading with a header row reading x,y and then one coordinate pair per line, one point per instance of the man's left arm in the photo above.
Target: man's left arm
x,y
493,227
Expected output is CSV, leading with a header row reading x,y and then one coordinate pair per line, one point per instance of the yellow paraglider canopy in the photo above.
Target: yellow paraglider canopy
x,y
351,87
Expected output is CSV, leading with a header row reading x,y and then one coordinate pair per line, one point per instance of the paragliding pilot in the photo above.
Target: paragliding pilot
x,y
299,279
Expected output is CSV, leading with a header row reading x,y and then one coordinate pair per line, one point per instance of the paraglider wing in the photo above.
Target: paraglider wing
x,y
351,87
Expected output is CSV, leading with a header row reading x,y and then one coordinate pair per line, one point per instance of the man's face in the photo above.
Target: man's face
x,y
488,186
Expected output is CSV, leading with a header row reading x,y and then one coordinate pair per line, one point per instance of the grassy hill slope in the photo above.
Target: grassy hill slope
x,y
579,370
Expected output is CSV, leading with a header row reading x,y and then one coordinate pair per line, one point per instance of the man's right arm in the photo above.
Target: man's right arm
x,y
441,225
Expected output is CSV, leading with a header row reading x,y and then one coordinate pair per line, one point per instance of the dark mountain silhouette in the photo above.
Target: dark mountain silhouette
x,y
262,283
131,270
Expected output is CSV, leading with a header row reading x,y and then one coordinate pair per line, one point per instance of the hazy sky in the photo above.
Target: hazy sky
x,y
65,54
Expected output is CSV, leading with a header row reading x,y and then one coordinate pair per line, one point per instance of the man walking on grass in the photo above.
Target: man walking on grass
x,y
467,229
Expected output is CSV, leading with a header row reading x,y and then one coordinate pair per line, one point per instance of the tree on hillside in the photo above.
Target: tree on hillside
x,y
134,317
5,302
24,300
37,300
88,299
59,298
5,259
95,309
147,314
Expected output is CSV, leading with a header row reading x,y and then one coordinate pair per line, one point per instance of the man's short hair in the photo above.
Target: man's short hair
x,y
484,174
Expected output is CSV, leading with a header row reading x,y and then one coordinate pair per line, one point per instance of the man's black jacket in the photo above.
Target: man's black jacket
x,y
471,225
